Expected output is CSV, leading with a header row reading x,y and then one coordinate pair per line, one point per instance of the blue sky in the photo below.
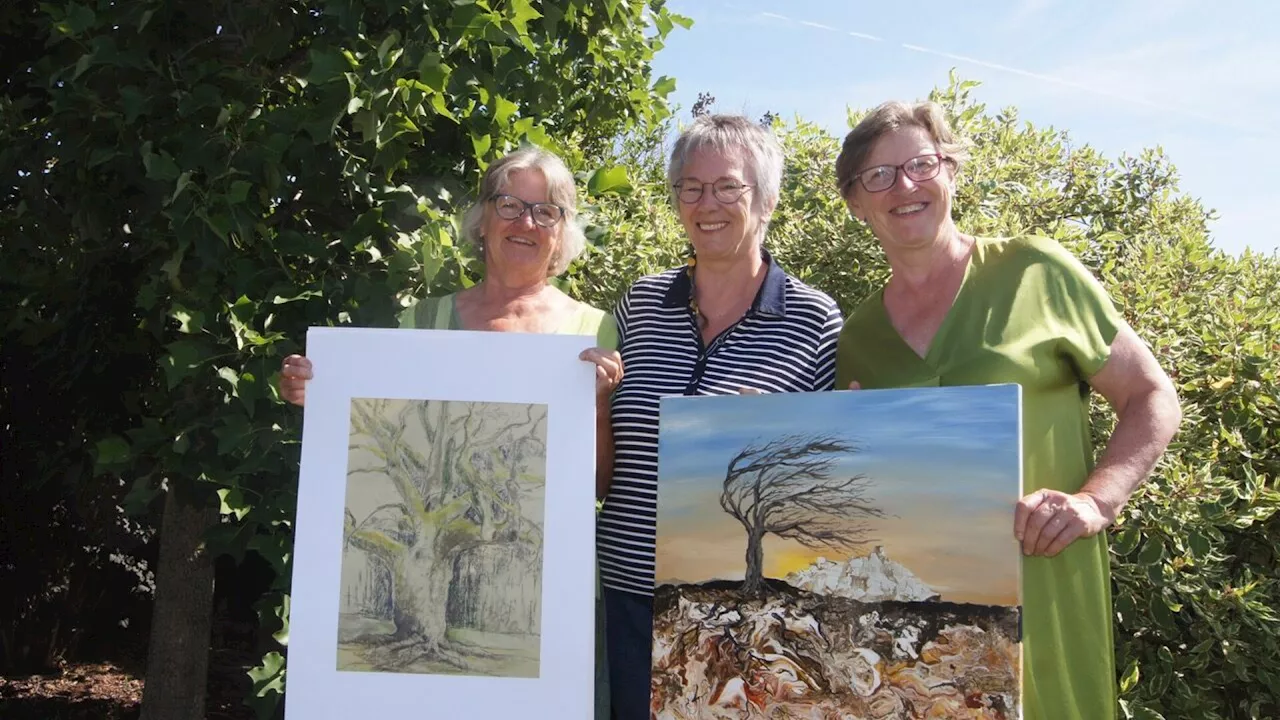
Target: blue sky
x,y
1201,80
942,462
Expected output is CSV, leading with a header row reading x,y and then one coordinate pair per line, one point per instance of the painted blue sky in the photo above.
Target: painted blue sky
x,y
943,462
1201,80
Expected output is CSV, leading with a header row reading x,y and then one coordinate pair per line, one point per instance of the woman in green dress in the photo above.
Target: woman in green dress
x,y
525,225
961,310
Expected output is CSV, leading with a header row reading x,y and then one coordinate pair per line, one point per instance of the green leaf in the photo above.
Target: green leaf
x,y
235,434
183,180
282,611
390,41
82,65
232,377
111,450
1126,541
367,123
269,676
238,192
160,166
1153,552
233,503
305,295
139,497
664,86
79,18
1199,545
328,64
1142,712
181,360
101,155
481,144
398,125
1130,677
609,180
503,109
433,73
522,13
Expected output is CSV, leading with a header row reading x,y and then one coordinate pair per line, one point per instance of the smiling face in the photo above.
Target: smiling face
x,y
520,251
910,214
721,231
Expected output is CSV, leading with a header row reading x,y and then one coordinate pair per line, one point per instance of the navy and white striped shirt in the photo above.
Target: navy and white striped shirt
x,y
785,343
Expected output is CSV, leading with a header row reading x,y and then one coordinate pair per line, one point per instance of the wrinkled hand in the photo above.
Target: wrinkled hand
x,y
1047,521
608,370
295,371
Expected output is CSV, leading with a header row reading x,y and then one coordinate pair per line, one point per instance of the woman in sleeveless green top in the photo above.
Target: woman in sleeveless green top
x,y
524,223
960,310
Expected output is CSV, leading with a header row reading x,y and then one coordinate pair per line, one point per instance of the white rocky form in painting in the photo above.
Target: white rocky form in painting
x,y
874,578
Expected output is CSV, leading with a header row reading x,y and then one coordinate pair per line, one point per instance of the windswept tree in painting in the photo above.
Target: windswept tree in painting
x,y
453,548
788,487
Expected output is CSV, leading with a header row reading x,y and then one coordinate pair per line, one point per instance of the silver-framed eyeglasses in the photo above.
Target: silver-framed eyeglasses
x,y
510,207
726,190
919,168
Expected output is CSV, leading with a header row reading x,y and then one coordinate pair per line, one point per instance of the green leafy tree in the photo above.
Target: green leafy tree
x,y
232,173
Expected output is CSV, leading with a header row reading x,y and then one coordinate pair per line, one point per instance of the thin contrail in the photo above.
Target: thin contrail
x,y
1134,99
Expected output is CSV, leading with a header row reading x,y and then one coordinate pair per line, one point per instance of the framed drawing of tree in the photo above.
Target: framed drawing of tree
x,y
839,554
443,498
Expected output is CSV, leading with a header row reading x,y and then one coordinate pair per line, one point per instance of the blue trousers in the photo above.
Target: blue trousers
x,y
629,635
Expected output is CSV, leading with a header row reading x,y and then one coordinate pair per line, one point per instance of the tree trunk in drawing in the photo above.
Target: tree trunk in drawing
x,y
421,597
755,560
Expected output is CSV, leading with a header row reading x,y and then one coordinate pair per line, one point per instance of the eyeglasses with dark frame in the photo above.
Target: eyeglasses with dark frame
x,y
882,177
510,207
726,190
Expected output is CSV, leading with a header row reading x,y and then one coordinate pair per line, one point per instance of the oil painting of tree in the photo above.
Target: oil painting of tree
x,y
786,487
442,539
838,555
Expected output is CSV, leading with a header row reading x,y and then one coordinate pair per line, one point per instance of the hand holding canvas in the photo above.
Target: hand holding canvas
x,y
608,370
295,371
1047,521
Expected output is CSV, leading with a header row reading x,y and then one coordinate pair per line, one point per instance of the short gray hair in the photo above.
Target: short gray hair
x,y
884,119
561,191
728,135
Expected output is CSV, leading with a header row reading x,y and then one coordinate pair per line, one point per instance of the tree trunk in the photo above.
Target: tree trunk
x,y
178,654
755,562
422,596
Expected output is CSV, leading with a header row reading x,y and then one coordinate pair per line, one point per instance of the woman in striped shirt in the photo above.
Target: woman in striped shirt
x,y
731,321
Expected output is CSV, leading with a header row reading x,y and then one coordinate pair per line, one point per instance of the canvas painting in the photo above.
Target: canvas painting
x,y
444,546
442,539
839,554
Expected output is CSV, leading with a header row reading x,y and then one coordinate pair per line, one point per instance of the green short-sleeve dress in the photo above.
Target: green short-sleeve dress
x,y
1029,313
441,313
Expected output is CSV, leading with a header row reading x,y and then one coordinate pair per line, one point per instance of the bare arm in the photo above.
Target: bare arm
x,y
1147,416
604,446
608,374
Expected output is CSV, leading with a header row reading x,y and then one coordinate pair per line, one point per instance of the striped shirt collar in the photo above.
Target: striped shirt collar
x,y
771,298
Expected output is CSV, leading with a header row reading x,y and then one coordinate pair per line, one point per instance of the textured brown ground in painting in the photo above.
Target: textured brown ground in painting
x,y
793,654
